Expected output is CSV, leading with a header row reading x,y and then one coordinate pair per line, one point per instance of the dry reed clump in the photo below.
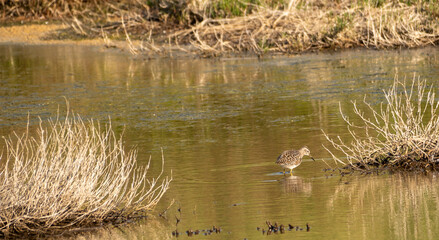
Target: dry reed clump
x,y
402,134
72,174
313,27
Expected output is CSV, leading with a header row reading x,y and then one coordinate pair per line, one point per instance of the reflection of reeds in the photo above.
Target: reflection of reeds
x,y
72,174
152,228
399,206
402,134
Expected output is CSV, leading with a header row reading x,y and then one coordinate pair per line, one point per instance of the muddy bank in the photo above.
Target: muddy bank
x,y
50,34
216,28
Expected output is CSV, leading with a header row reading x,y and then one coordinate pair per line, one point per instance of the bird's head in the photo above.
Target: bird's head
x,y
305,151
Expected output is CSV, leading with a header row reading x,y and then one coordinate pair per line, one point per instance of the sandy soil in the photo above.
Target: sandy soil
x,y
35,34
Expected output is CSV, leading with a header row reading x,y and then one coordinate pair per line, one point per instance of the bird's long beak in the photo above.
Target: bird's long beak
x,y
312,158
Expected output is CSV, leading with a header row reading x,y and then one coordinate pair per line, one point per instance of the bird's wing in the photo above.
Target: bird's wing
x,y
295,154
278,158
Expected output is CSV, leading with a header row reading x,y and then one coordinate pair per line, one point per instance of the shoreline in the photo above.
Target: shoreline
x,y
218,28
37,34
40,34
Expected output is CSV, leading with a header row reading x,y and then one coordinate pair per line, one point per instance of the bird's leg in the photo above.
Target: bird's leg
x,y
291,172
284,171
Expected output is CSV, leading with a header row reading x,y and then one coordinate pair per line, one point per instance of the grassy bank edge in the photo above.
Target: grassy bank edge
x,y
219,28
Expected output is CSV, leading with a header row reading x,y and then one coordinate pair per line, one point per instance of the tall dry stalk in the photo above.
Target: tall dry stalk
x,y
72,174
402,133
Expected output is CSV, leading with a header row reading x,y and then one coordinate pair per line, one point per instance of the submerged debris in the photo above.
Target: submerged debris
x,y
280,228
204,232
191,232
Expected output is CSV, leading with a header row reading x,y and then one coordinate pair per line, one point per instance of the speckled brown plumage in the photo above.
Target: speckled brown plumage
x,y
292,158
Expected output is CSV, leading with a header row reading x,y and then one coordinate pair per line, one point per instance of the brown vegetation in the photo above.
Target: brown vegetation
x,y
72,174
400,134
216,27
297,30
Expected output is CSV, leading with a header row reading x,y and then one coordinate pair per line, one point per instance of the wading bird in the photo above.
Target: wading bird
x,y
292,158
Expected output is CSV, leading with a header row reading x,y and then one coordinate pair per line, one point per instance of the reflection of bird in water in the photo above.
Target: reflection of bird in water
x,y
295,184
292,158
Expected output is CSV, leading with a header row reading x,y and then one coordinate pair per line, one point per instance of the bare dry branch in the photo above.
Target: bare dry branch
x,y
72,173
402,134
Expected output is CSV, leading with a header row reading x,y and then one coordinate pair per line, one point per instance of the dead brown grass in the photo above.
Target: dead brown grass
x,y
288,27
72,174
314,28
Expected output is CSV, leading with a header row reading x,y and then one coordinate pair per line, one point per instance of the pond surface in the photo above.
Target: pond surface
x,y
222,123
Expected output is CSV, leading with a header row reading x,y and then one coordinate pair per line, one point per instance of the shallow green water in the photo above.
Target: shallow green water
x,y
222,124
